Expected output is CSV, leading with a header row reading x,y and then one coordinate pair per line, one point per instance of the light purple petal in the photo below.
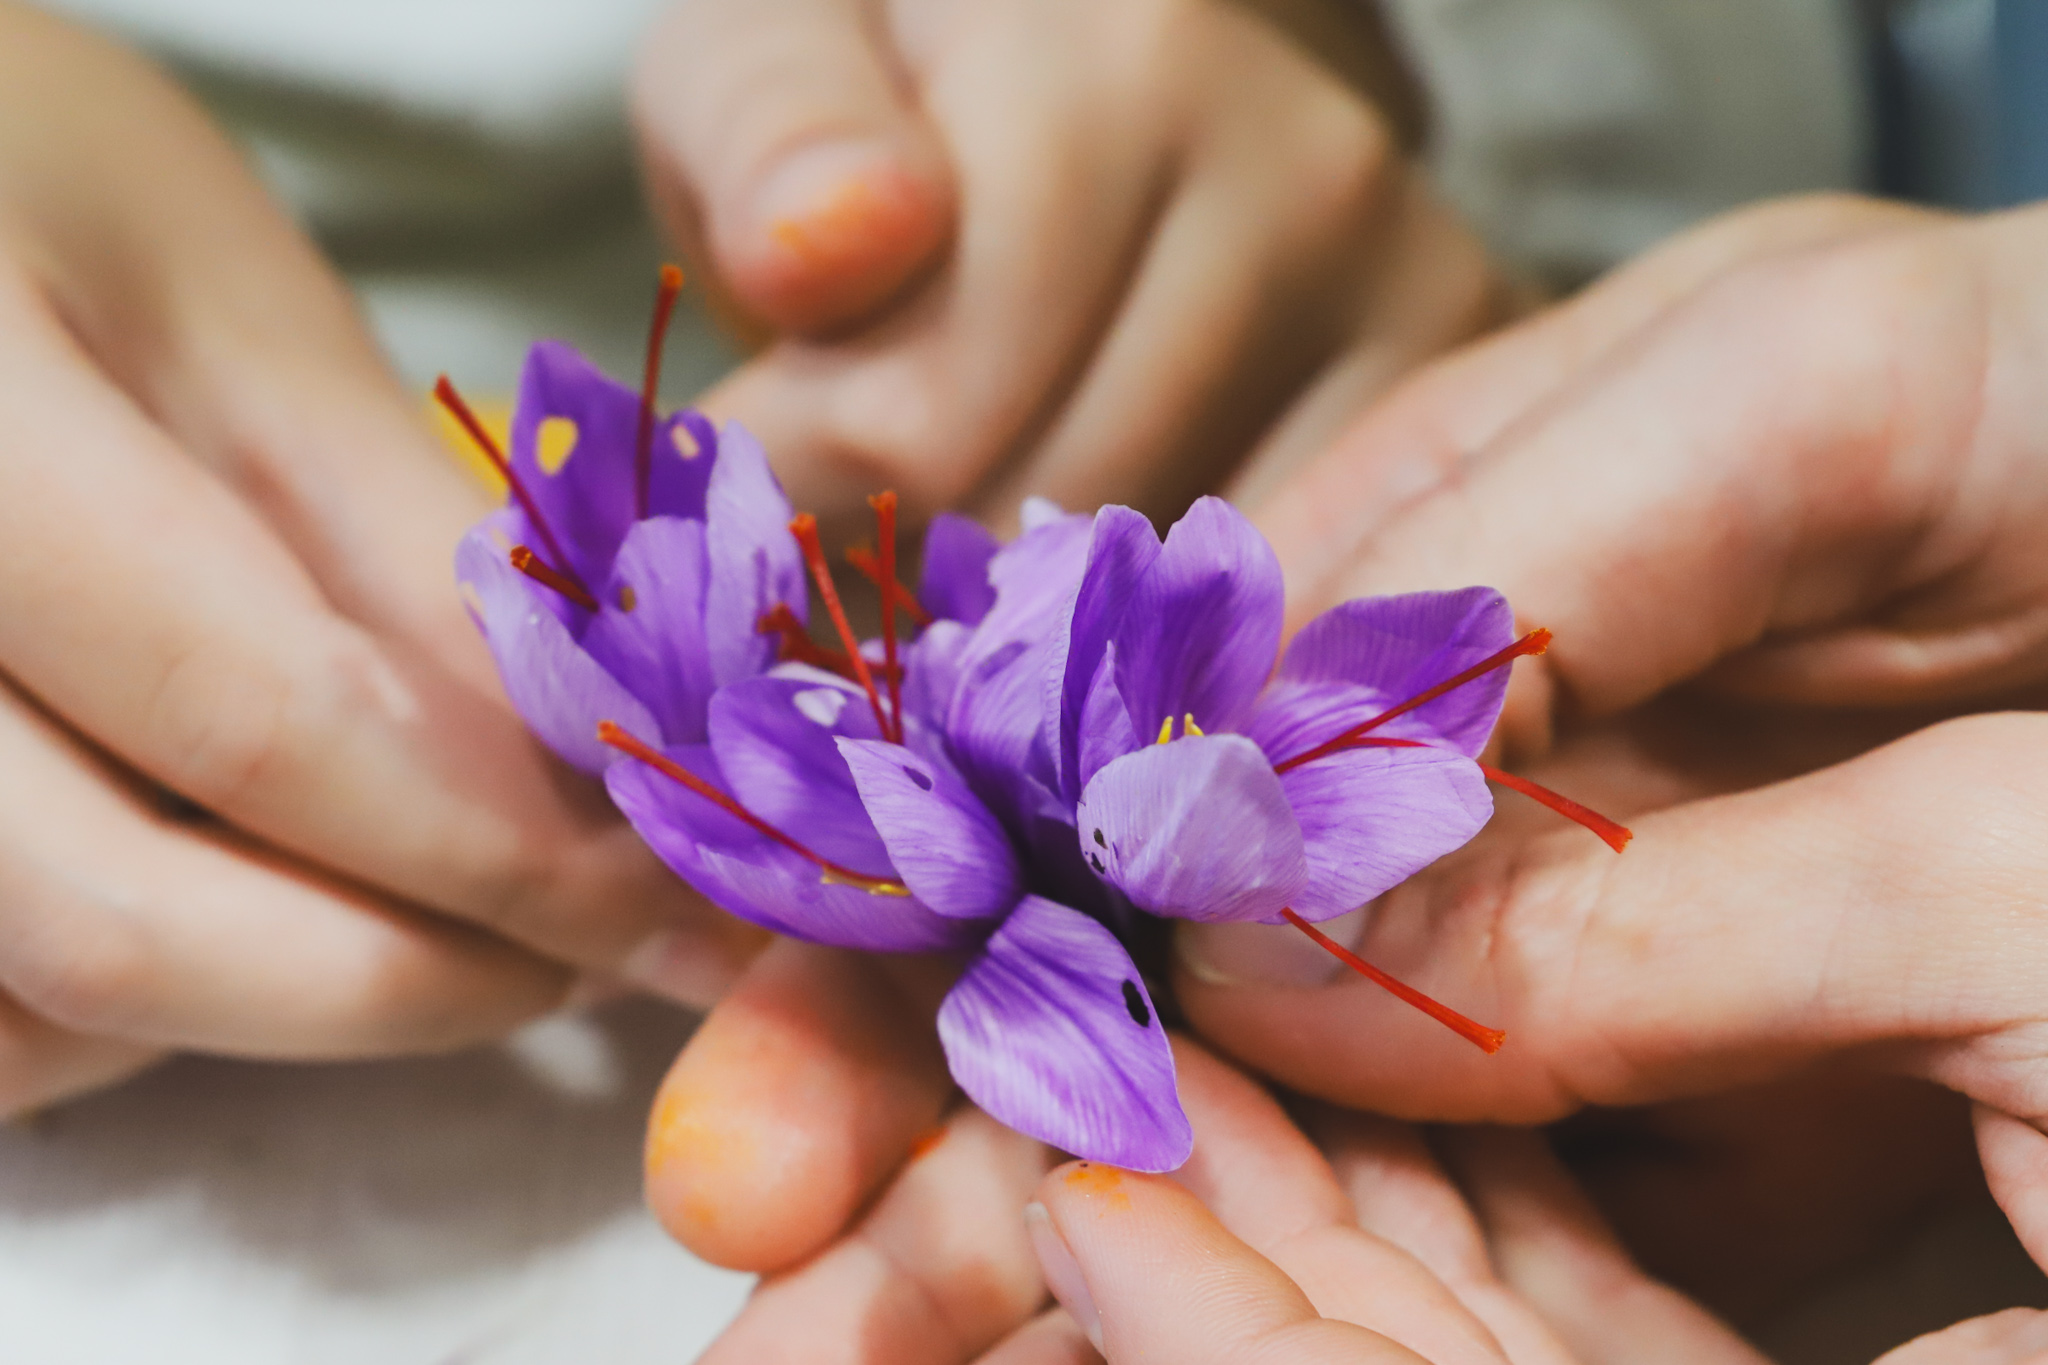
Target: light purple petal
x,y
1363,657
557,688
649,631
1195,829
1201,631
945,845
954,583
775,739
1051,1031
1106,733
1121,551
756,564
749,875
1372,818
588,501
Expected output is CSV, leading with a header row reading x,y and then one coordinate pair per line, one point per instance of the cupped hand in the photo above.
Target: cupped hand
x,y
259,793
1778,491
1092,251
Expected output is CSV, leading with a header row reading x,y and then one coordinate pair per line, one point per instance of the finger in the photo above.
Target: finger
x,y
800,1095
42,1063
119,920
2015,1155
240,688
2018,1336
371,726
1404,1197
1152,1275
785,130
955,379
1883,903
1453,410
1051,1338
938,1271
1633,477
1295,231
1266,1183
1551,1246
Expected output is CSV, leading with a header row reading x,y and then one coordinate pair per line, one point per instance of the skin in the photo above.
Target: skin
x,y
1090,251
262,794
1815,427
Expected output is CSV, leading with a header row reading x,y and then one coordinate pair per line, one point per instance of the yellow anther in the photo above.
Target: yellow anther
x,y
1188,726
1165,730
874,886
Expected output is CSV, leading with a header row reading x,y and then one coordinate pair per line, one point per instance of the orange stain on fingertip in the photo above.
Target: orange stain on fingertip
x,y
866,218
1103,1185
687,1158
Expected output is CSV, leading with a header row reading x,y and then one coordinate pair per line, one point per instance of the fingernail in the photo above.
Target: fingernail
x,y
1062,1272
1266,954
841,203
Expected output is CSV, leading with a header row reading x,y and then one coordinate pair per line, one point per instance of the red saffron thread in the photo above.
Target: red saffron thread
x,y
657,336
1535,642
1487,1040
884,504
805,529
445,392
797,646
864,563
627,744
1612,833
539,570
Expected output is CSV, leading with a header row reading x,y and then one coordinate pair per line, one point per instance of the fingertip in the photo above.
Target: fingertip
x,y
832,230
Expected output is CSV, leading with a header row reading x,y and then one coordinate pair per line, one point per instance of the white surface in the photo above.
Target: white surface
x,y
482,1209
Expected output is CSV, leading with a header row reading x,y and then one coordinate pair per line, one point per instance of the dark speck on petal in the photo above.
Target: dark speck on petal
x,y
1096,863
1134,1001
922,779
1100,842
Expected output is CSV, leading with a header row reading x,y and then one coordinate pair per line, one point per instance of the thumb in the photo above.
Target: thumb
x,y
1888,904
780,142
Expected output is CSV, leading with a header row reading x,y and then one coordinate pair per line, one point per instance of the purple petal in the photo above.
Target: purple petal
x,y
682,461
649,631
756,564
775,739
749,875
1121,551
588,501
1195,829
1051,1031
947,848
1363,657
931,672
1201,631
954,584
1372,818
557,688
1106,733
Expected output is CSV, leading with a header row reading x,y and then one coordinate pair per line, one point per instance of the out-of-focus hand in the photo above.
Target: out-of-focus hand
x,y
259,793
1779,491
1094,250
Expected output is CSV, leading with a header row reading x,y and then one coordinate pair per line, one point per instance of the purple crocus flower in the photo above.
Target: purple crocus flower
x,y
627,574
817,809
1204,784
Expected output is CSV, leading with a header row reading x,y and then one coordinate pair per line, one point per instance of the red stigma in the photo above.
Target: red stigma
x,y
1613,834
884,504
657,336
632,747
1535,642
1487,1040
805,529
538,569
444,391
867,566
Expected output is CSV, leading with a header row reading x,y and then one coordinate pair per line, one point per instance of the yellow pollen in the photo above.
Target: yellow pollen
x,y
874,887
1165,730
555,443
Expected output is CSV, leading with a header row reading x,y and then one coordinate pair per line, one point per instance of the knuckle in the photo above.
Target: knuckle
x,y
215,724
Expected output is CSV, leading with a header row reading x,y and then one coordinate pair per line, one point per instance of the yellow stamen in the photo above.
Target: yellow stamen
x,y
1165,730
1188,726
874,886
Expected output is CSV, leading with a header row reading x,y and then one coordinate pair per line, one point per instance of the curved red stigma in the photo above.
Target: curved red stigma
x,y
805,529
1486,1039
867,566
545,574
445,394
884,504
628,744
657,336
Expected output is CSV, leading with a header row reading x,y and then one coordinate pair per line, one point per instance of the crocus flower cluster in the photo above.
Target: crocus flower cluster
x,y
1089,723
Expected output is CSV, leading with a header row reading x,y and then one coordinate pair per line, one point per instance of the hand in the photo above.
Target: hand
x,y
1091,251
1777,489
258,791
1373,1250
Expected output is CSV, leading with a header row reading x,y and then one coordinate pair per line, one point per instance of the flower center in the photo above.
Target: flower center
x,y
834,873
